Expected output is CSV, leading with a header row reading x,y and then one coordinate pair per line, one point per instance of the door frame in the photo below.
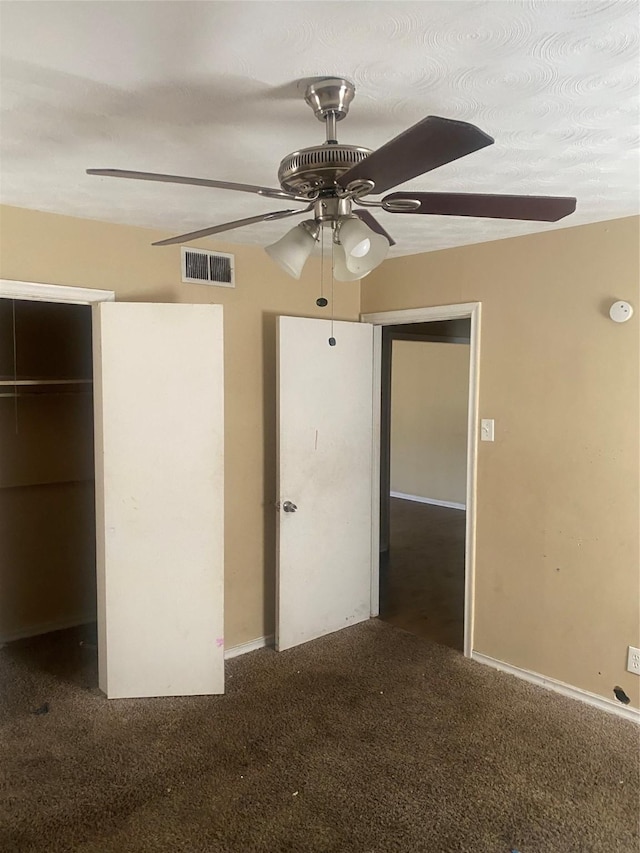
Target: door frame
x,y
463,310
38,292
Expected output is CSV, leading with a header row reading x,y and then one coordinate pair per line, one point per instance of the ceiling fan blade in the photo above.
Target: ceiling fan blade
x,y
373,223
269,192
430,143
228,226
533,207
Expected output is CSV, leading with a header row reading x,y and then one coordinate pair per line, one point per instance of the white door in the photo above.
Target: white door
x,y
158,376
325,454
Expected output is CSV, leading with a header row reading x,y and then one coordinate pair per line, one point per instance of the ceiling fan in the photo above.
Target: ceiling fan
x,y
334,181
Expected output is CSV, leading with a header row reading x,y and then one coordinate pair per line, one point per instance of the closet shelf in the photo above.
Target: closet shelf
x,y
22,382
23,388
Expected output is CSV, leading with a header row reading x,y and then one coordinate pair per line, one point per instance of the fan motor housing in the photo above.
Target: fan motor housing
x,y
309,170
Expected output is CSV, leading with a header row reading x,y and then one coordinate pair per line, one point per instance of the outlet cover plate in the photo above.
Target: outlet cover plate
x,y
633,660
487,429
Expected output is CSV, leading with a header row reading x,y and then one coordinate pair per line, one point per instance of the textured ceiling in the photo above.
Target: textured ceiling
x,y
209,90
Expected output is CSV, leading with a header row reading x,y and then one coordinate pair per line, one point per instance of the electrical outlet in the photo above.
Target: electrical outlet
x,y
633,660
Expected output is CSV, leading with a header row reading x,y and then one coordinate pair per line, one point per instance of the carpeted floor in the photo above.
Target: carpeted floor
x,y
422,578
370,740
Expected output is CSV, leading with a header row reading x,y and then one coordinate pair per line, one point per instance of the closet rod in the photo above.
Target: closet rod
x,y
26,394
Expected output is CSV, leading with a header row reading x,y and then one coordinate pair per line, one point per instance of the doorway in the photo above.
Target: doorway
x,y
47,486
425,392
329,461
381,496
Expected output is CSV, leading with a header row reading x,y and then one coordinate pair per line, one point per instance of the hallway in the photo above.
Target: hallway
x,y
422,577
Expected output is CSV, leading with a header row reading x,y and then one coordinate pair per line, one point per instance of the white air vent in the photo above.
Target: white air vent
x,y
202,267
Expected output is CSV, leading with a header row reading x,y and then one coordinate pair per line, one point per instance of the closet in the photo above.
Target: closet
x,y
131,537
47,511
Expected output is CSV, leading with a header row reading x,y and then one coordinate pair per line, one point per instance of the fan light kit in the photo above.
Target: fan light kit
x,y
333,180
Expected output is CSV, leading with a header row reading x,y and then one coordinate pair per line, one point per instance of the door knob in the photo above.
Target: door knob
x,y
287,506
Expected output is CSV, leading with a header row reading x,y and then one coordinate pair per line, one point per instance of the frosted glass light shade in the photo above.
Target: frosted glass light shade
x,y
364,249
292,251
340,271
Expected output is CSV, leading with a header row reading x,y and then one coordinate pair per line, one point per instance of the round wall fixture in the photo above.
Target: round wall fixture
x,y
620,312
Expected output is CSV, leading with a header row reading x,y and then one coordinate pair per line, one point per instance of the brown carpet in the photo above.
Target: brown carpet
x,y
422,579
370,740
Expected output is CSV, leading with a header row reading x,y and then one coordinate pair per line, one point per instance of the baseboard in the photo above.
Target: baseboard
x,y
250,646
585,696
46,628
433,501
62,624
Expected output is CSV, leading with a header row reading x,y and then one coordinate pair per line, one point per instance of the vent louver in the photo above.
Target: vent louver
x,y
202,267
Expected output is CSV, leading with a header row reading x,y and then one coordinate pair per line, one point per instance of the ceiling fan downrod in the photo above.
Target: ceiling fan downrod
x,y
330,121
329,98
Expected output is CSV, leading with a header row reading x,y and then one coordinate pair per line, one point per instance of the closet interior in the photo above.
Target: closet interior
x,y
47,512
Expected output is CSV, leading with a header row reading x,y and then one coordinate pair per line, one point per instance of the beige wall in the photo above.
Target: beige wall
x,y
557,584
84,253
429,396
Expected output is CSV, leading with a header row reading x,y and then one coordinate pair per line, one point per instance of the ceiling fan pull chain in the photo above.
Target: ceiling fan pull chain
x,y
332,340
321,262
321,302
